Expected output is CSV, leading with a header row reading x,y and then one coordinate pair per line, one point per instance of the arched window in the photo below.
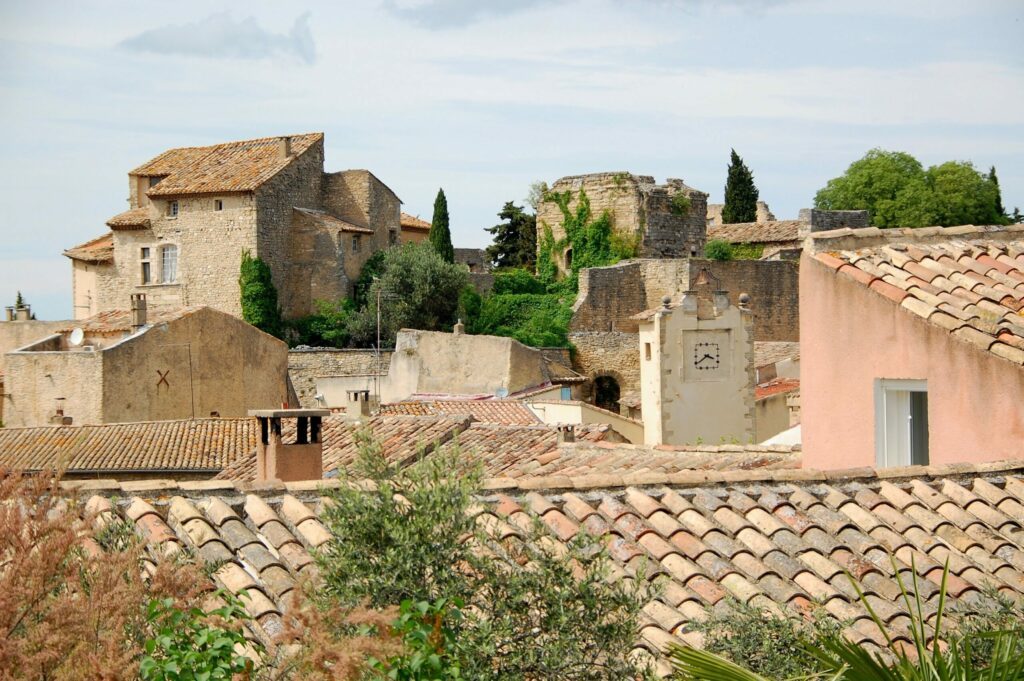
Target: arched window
x,y
168,264
606,393
568,259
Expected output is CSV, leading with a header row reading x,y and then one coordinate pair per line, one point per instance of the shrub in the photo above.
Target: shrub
x,y
747,251
516,281
680,203
372,268
537,320
258,296
328,327
718,249
470,303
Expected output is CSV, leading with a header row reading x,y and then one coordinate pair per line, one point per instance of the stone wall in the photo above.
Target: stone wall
x,y
608,353
482,282
764,214
638,206
305,366
825,220
774,289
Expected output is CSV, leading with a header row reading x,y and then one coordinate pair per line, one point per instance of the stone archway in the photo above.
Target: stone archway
x,y
607,391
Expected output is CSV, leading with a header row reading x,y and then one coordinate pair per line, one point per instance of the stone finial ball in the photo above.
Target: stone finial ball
x,y
666,300
744,299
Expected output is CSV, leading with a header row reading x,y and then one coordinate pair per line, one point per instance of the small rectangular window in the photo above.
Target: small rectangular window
x,y
647,351
218,204
901,423
154,181
172,209
566,393
147,272
355,243
168,264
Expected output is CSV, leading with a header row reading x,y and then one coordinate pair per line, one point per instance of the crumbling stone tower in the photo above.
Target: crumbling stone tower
x,y
670,218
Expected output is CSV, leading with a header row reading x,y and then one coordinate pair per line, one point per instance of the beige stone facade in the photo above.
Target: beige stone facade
x,y
664,226
697,370
193,211
191,363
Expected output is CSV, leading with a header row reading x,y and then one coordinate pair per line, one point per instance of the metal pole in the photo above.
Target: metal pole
x,y
376,378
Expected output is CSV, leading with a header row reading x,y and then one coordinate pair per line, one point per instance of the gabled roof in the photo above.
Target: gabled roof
x,y
759,232
506,412
967,280
328,221
136,218
783,541
414,223
230,167
98,250
174,447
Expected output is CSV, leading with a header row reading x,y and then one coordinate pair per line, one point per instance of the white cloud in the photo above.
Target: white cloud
x,y
219,36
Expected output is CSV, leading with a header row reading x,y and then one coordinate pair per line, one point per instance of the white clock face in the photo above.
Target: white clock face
x,y
706,355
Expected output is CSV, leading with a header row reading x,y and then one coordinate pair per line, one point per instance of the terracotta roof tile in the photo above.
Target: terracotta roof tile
x,y
98,250
328,221
770,232
136,218
506,412
120,321
413,223
231,167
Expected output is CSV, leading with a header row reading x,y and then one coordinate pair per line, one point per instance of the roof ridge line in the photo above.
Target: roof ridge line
x,y
847,238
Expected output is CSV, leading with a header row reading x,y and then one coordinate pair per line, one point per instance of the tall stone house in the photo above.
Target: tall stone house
x,y
192,211
667,220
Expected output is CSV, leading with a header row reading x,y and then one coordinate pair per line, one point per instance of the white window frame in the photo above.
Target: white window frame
x,y
163,250
887,389
172,209
146,258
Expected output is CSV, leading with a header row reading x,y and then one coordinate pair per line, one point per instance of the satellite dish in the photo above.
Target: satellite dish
x,y
501,393
76,337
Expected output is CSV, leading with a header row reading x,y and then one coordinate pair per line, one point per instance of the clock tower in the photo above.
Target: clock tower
x,y
697,369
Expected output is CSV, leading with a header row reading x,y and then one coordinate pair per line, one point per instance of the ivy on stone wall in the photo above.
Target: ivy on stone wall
x,y
259,296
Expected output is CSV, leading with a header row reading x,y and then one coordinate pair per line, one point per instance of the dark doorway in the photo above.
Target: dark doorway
x,y
606,393
568,260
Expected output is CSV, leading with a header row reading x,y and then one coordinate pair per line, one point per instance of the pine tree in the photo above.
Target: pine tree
x,y
259,296
740,193
999,195
515,239
19,301
440,235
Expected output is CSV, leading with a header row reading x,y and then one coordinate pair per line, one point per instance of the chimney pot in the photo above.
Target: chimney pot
x,y
138,311
284,147
566,433
289,461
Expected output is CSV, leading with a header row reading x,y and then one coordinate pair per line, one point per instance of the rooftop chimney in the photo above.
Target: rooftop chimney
x,y
459,329
358,405
284,147
566,433
138,311
302,459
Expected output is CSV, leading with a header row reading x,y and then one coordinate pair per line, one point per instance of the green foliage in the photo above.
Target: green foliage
x,y
537,320
372,269
994,180
775,647
411,536
680,203
747,251
258,296
440,235
996,613
426,631
718,249
328,327
897,191
740,192
515,239
547,269
516,281
117,536
470,303
537,194
188,646
19,301
418,289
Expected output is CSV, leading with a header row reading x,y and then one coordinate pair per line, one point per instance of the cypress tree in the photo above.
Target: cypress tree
x,y
740,193
440,235
999,194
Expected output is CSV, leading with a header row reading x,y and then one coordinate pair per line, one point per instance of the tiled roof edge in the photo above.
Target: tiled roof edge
x,y
847,239
686,478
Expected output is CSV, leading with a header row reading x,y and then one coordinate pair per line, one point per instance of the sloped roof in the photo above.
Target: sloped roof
x,y
961,279
414,223
230,167
116,321
781,540
183,446
328,221
136,218
758,232
98,250
773,352
776,386
487,411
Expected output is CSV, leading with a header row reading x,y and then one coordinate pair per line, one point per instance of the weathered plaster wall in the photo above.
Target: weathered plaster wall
x,y
85,278
34,380
306,366
771,417
556,412
852,336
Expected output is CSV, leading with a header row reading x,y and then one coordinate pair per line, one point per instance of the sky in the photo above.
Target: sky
x,y
484,97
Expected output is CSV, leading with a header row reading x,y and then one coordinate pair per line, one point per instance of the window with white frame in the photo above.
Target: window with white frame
x,y
901,422
147,265
172,209
168,264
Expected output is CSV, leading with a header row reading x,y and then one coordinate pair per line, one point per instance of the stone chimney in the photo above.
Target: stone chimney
x,y
284,147
138,311
566,433
58,418
459,329
358,404
302,459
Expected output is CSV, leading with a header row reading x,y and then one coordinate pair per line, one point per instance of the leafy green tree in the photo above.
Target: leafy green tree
x,y
537,194
740,192
259,297
327,327
516,281
537,320
418,290
372,269
515,239
718,249
440,235
533,610
872,183
962,196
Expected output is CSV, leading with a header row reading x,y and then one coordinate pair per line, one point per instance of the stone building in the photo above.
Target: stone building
x,y
192,211
121,366
714,219
414,229
697,368
668,220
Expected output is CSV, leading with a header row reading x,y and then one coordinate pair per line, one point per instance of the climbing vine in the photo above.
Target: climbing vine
x,y
592,241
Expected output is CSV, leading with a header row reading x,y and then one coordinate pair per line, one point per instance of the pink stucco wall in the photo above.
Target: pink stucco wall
x,y
850,335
